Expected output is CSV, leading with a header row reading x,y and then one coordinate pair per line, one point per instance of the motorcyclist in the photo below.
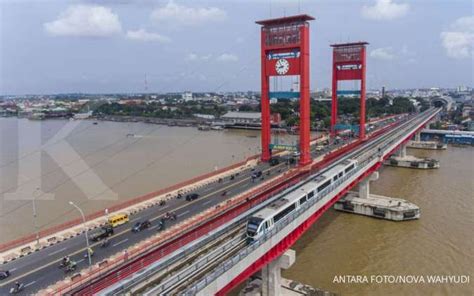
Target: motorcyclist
x,y
71,265
66,260
105,243
17,286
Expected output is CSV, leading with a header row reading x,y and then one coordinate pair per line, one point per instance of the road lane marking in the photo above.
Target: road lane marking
x,y
187,204
207,202
183,213
120,242
29,284
80,260
57,251
13,269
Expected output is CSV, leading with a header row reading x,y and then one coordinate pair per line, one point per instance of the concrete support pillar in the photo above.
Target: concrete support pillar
x,y
271,274
402,152
364,185
418,137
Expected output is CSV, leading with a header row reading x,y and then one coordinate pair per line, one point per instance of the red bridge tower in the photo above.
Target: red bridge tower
x,y
285,51
348,63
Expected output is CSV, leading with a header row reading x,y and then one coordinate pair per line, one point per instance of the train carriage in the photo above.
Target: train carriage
x,y
265,219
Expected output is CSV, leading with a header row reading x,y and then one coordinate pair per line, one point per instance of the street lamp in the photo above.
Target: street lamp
x,y
84,223
35,220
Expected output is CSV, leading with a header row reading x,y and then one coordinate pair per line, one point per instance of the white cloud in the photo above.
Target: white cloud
x,y
385,10
85,21
383,53
196,57
176,14
458,41
143,35
227,57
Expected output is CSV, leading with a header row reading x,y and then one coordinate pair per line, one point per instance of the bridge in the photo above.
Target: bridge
x,y
212,220
205,250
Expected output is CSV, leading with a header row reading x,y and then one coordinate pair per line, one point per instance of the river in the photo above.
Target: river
x,y
96,166
441,242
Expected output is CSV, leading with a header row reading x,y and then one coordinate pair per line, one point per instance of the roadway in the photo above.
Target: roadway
x,y
41,269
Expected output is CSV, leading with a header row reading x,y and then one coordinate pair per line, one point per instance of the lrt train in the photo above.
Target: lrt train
x,y
265,219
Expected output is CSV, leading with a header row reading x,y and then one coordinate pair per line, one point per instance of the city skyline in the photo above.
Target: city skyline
x,y
170,46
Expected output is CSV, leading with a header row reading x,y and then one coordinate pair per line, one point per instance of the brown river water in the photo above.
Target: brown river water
x,y
99,165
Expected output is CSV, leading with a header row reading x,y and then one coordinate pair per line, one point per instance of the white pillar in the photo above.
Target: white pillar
x,y
271,274
418,137
402,152
364,185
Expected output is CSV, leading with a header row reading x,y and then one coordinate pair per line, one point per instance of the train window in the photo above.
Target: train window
x,y
284,212
267,224
310,194
349,168
253,224
302,200
335,178
324,185
340,174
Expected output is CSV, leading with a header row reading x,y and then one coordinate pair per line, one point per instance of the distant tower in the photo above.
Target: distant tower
x,y
383,92
348,63
285,51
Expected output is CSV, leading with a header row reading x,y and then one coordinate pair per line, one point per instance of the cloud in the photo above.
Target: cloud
x,y
227,57
143,35
385,10
176,14
458,41
85,21
383,53
196,57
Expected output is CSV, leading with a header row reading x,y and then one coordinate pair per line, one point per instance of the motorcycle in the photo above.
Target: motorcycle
x,y
105,244
17,289
71,267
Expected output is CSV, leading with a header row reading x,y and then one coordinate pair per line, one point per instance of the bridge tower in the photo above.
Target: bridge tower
x,y
349,63
285,52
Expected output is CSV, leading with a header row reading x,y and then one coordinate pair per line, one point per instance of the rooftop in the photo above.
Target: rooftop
x,y
285,20
349,44
243,115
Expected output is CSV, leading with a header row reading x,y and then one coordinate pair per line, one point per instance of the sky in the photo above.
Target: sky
x,y
126,46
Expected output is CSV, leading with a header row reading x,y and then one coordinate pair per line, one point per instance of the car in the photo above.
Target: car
x,y
4,274
139,226
101,233
192,196
274,161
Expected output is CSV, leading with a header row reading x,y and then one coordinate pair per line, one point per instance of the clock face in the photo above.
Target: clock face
x,y
282,66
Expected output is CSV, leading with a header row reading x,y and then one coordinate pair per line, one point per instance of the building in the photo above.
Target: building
x,y
247,118
187,96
